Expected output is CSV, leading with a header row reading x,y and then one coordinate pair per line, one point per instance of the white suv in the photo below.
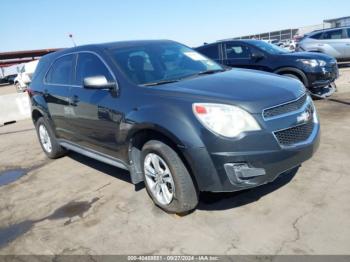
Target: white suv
x,y
334,42
24,76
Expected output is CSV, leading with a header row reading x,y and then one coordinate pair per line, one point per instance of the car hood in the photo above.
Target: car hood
x,y
308,55
249,89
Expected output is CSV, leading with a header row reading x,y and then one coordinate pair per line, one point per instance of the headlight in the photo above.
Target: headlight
x,y
224,120
313,62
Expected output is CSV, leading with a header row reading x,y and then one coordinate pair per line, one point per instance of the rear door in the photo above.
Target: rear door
x,y
96,119
57,83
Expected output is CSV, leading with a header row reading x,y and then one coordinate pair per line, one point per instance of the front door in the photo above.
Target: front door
x,y
336,40
96,118
238,55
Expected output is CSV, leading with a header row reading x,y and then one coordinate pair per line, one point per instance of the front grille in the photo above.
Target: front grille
x,y
295,134
285,108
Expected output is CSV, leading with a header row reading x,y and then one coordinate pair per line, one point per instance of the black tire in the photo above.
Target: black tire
x,y
185,194
56,150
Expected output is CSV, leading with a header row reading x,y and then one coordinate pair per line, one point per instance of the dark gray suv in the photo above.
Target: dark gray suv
x,y
173,118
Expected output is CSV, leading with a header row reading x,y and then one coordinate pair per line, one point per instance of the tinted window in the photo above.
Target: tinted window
x,y
157,62
336,34
348,33
211,51
316,36
269,48
61,71
234,51
90,65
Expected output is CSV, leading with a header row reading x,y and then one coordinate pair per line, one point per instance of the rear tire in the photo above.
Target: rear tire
x,y
167,180
47,139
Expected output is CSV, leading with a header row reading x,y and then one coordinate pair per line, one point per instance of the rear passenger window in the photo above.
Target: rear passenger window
x,y
237,51
61,71
211,51
348,33
335,34
90,65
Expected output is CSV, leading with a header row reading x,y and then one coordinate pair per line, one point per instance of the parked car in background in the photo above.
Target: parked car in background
x,y
334,42
175,119
11,79
24,76
317,72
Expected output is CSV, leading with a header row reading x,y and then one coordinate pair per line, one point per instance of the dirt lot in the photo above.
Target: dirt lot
x,y
75,205
7,89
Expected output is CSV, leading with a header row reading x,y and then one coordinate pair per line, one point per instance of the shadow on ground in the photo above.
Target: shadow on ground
x,y
229,200
208,201
104,168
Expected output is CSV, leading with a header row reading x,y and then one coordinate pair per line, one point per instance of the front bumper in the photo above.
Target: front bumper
x,y
322,77
254,159
215,172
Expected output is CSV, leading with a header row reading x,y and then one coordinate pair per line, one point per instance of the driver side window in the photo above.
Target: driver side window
x,y
237,51
90,65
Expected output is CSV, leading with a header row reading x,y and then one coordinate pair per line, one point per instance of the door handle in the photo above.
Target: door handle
x,y
74,100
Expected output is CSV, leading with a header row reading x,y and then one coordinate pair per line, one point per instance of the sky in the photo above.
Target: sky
x,y
37,24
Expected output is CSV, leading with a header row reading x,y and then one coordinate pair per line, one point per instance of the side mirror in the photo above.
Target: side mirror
x,y
257,56
98,82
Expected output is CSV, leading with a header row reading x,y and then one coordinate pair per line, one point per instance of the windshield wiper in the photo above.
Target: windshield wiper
x,y
208,72
161,82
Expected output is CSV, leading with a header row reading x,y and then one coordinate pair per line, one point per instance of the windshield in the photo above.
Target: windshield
x,y
161,62
270,48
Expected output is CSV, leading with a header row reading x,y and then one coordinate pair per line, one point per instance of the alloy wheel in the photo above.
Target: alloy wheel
x,y
45,138
159,179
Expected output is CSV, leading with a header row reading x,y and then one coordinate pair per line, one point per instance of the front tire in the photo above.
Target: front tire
x,y
47,139
167,180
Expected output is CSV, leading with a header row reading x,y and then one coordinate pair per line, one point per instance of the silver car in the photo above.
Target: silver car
x,y
334,42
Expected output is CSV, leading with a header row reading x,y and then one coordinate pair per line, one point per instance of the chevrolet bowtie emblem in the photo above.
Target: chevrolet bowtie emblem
x,y
304,117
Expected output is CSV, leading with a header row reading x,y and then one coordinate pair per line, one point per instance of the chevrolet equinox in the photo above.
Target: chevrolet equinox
x,y
173,118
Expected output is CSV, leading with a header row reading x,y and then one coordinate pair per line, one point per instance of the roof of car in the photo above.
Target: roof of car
x,y
326,29
111,45
252,41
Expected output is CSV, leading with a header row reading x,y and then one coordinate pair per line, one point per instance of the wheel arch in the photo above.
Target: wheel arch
x,y
140,137
36,114
295,71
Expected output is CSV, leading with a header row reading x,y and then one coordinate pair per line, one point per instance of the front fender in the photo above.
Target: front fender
x,y
174,122
180,125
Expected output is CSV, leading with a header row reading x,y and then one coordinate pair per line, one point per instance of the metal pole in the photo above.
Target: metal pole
x,y
71,37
